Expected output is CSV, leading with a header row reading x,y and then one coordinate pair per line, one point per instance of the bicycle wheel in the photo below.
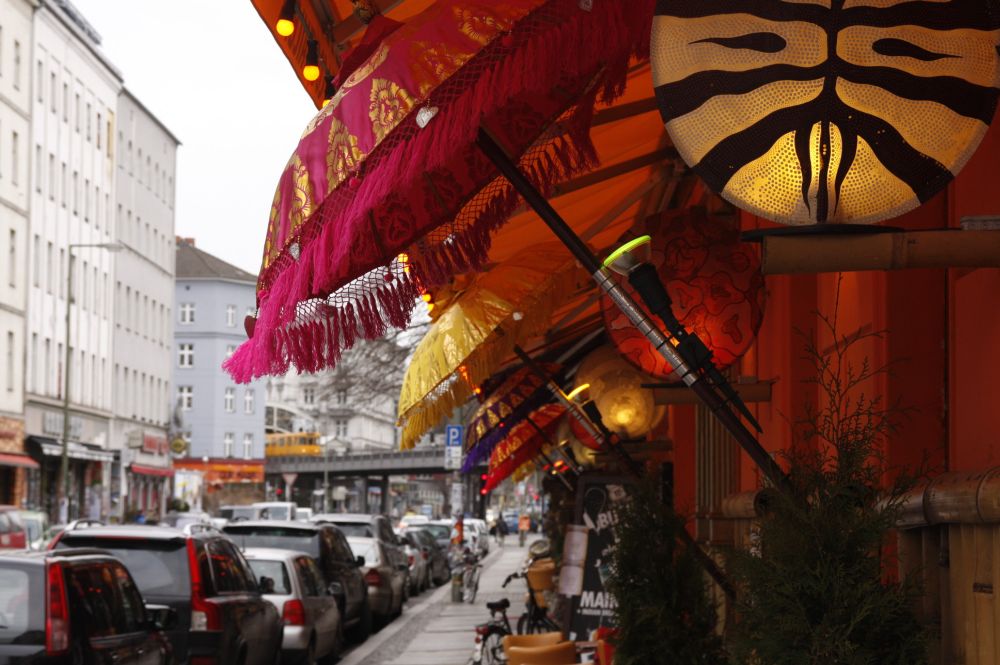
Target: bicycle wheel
x,y
493,650
522,624
473,586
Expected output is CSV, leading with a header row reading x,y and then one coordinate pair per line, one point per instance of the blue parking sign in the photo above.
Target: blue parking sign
x,y
453,435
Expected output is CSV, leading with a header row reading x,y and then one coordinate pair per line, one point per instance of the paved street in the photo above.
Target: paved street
x,y
435,631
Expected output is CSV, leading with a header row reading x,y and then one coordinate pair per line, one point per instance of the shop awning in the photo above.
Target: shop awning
x,y
16,459
77,451
144,470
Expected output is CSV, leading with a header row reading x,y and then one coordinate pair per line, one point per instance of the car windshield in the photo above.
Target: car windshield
x,y
160,568
356,529
439,531
22,604
276,513
282,538
237,513
364,547
34,526
274,571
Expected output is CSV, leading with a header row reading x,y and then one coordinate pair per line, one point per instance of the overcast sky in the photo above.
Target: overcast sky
x,y
211,72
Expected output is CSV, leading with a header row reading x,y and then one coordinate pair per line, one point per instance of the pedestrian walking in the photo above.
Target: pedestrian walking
x,y
523,526
501,530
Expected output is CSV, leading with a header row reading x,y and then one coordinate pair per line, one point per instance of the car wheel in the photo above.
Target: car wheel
x,y
363,628
338,647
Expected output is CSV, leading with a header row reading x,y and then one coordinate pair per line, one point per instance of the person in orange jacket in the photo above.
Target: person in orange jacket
x,y
523,527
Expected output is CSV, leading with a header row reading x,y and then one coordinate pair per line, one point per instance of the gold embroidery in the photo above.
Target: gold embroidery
x,y
480,28
304,203
432,63
367,68
389,104
271,241
342,155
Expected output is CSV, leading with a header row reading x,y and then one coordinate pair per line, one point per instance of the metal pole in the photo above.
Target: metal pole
x,y
64,463
631,309
326,477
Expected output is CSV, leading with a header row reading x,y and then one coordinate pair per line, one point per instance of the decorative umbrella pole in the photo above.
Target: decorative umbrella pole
x,y
698,378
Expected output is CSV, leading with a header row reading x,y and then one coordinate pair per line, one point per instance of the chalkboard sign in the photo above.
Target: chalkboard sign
x,y
597,497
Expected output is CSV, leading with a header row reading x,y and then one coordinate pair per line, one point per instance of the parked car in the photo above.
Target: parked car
x,y
184,519
293,583
303,514
481,534
386,587
441,530
222,617
238,513
77,606
411,520
371,526
510,519
327,545
275,510
36,526
419,572
12,532
438,570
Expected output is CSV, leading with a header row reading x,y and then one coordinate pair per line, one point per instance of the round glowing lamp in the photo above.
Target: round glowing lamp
x,y
310,71
626,407
896,107
286,19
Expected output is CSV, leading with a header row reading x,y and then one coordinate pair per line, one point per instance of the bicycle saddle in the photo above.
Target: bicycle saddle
x,y
498,606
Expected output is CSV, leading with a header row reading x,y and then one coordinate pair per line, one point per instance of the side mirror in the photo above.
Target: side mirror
x,y
335,589
161,617
359,561
265,585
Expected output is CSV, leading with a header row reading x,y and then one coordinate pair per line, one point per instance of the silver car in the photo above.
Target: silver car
x,y
293,583
387,583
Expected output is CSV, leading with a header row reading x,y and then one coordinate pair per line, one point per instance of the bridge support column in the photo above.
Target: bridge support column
x,y
384,484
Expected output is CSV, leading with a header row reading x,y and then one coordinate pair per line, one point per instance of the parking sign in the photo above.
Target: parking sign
x,y
453,447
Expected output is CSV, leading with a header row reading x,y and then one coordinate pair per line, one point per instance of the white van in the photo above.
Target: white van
x,y
276,510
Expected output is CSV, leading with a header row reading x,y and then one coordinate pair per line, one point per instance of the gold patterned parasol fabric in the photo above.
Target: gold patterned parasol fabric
x,y
478,330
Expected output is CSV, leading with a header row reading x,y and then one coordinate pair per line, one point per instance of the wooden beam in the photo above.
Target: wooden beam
x,y
624,111
345,31
822,253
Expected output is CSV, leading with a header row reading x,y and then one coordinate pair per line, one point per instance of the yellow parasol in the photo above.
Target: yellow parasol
x,y
478,330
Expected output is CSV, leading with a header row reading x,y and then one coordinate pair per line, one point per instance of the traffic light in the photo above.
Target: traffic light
x,y
482,484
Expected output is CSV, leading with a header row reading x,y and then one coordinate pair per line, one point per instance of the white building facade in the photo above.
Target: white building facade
x,y
17,471
146,155
74,97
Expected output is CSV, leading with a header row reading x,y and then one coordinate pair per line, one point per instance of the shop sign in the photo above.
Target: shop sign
x,y
154,443
52,423
597,498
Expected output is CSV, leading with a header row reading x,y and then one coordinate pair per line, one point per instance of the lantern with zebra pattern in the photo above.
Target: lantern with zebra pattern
x,y
814,111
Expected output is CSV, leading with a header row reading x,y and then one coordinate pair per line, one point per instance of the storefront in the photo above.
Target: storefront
x,y
145,474
18,472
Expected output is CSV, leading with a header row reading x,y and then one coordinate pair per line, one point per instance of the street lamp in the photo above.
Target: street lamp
x,y
64,466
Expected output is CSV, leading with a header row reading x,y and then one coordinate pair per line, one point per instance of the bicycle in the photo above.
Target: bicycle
x,y
489,636
535,618
470,577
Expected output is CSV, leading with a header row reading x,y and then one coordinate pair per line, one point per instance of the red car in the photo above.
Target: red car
x,y
13,535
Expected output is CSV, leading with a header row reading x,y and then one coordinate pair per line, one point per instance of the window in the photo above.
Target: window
x,y
342,396
227,444
231,316
17,65
229,400
248,399
64,186
309,395
185,396
76,192
229,572
230,350
76,114
89,118
187,313
340,428
55,87
65,102
52,269
38,78
10,361
36,259
247,446
12,260
14,143
38,168
185,355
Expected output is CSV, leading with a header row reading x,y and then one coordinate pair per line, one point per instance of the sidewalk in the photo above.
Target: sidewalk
x,y
436,631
